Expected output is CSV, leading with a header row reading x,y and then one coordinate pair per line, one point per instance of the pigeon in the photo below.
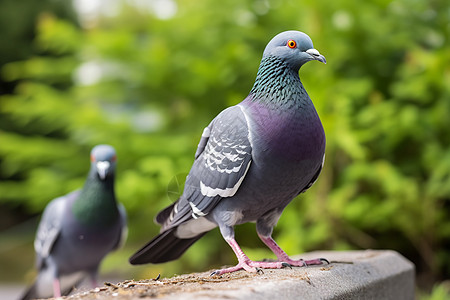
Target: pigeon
x,y
251,161
78,230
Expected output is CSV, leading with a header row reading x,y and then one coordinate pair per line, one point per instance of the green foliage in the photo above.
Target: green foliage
x,y
439,292
148,86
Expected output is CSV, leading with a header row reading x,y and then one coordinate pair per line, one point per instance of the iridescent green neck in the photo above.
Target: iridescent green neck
x,y
96,204
277,84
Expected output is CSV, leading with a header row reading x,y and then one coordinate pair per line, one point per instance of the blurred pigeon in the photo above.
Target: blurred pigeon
x,y
252,160
78,230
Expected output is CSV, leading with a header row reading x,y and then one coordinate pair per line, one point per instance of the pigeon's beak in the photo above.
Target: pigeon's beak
x,y
102,169
316,55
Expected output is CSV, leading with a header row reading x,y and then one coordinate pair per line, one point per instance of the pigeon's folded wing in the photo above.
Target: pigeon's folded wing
x,y
123,222
223,158
50,227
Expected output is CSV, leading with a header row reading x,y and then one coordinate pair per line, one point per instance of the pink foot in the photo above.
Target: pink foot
x,y
257,266
305,263
283,257
252,267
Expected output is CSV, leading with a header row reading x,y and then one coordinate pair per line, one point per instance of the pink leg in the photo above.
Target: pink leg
x,y
93,278
56,288
245,263
94,282
283,257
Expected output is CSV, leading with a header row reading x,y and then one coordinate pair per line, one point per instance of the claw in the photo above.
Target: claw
x,y
214,273
324,260
259,271
157,277
304,262
286,265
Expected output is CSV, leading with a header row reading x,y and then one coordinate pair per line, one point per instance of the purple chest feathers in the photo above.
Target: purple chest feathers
x,y
292,136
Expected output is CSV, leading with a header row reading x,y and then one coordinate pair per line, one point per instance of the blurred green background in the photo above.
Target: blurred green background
x,y
146,76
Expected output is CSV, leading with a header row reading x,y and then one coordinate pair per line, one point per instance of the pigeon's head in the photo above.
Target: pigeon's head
x,y
294,47
103,160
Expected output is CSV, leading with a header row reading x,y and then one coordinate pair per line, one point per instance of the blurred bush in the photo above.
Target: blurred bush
x,y
147,79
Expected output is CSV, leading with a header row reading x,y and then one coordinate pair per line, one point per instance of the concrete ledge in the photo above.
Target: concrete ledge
x,y
366,274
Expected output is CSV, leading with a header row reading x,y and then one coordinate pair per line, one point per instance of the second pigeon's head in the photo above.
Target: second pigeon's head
x,y
294,47
103,160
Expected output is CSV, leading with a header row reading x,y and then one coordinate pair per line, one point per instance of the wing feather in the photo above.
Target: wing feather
x,y
50,227
222,160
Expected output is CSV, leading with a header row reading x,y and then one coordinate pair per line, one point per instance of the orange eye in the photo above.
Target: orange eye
x,y
292,44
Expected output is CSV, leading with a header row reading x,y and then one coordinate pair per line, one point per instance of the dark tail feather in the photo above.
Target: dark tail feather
x,y
30,293
43,286
163,248
163,215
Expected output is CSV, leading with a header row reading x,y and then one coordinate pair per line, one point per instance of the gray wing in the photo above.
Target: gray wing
x,y
50,227
222,159
124,233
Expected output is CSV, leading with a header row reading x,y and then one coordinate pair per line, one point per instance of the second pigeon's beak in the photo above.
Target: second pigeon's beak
x,y
316,55
102,169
